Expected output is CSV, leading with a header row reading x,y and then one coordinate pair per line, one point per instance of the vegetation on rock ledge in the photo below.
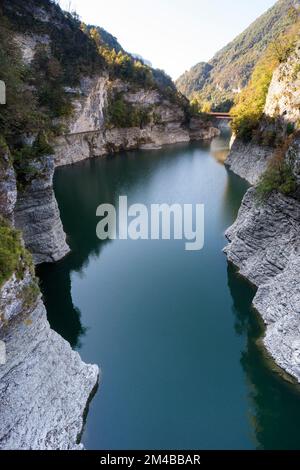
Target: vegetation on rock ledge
x,y
123,114
41,91
249,108
230,69
14,258
279,174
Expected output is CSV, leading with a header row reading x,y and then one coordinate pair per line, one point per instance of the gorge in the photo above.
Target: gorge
x,y
183,359
174,333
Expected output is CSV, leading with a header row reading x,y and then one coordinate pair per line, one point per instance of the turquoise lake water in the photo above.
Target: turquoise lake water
x,y
173,331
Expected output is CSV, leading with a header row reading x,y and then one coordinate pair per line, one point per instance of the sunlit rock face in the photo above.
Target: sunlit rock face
x,y
44,385
284,93
89,135
264,241
250,160
264,244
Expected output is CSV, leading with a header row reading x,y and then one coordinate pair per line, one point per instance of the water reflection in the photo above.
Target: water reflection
x,y
219,146
65,317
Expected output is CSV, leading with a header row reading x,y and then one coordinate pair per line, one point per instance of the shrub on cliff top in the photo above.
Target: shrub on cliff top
x,y
25,157
278,176
249,107
14,258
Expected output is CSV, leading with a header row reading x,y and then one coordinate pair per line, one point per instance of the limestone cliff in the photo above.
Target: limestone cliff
x,y
250,160
44,385
91,135
37,215
32,207
8,186
264,242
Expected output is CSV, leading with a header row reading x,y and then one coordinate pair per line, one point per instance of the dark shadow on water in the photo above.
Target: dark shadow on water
x,y
64,317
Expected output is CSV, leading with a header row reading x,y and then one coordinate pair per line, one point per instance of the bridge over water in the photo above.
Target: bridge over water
x,y
217,115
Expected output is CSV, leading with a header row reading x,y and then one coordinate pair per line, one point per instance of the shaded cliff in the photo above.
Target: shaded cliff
x,y
264,245
37,215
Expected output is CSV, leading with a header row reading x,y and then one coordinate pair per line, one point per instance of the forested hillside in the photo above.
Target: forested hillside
x,y
230,69
41,86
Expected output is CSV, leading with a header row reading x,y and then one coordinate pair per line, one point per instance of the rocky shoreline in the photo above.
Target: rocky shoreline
x,y
264,241
264,244
90,135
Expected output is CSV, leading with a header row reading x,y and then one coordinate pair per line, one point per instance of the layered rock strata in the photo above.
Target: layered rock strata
x,y
44,385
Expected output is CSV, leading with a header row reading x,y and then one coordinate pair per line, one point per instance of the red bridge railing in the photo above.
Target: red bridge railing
x,y
220,115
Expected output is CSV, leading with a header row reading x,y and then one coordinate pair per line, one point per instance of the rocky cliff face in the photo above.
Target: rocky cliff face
x,y
90,136
264,244
44,385
8,186
36,214
250,160
283,98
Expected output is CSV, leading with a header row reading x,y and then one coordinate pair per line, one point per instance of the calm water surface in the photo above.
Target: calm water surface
x,y
173,331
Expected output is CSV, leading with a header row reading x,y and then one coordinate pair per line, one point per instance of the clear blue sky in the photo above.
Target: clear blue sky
x,y
172,34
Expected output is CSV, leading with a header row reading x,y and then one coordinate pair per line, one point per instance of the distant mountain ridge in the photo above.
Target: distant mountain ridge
x,y
230,69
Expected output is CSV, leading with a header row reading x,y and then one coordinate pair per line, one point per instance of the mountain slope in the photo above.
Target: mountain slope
x,y
45,53
231,67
